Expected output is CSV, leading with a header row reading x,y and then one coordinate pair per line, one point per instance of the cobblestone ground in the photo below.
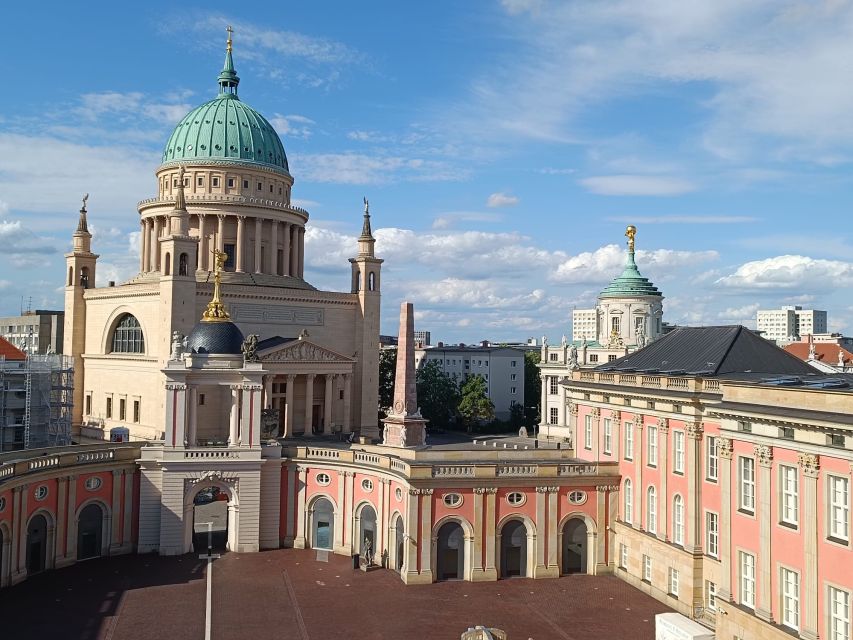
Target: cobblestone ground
x,y
290,594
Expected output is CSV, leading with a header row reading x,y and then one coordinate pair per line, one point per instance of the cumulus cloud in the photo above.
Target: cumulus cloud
x,y
94,106
605,263
637,185
790,272
293,126
502,200
451,218
18,241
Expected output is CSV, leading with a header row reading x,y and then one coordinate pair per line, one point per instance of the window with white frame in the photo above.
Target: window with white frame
x,y
678,451
623,556
647,568
789,509
553,416
839,507
552,385
839,614
746,484
651,510
712,534
790,581
608,436
678,520
746,579
672,587
629,441
652,446
712,463
710,596
587,432
628,505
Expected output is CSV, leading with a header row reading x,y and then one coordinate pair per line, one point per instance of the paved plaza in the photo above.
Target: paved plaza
x,y
290,594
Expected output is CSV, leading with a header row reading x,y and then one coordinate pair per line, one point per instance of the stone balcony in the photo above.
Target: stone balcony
x,y
687,384
17,464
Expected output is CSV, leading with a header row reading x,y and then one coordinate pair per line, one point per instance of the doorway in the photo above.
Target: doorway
x,y
323,525
575,546
450,548
513,549
37,545
367,530
90,531
316,422
210,520
399,538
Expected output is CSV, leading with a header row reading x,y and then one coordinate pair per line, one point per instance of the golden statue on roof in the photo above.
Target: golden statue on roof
x,y
216,311
631,231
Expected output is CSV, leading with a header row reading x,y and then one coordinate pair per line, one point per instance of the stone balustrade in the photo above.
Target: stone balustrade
x,y
685,383
16,464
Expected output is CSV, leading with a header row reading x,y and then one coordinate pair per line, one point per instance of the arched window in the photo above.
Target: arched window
x,y
182,264
168,268
70,276
628,496
84,277
678,520
371,281
127,336
651,510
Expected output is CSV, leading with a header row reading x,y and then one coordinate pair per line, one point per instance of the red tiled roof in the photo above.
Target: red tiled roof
x,y
824,352
10,351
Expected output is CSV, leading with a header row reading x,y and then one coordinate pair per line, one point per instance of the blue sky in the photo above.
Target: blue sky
x,y
503,144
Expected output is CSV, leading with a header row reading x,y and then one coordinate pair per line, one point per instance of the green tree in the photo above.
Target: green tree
x,y
438,394
387,373
532,388
475,406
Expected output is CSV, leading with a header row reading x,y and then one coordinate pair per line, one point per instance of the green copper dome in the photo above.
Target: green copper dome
x,y
226,129
631,282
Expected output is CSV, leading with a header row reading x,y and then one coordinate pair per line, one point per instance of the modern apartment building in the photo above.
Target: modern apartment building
x,y
36,331
790,323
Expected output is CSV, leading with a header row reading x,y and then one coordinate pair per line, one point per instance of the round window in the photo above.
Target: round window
x,y
93,483
577,497
323,479
398,493
516,498
2,503
367,484
452,500
41,492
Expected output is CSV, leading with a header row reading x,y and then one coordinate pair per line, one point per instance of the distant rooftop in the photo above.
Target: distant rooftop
x,y
9,351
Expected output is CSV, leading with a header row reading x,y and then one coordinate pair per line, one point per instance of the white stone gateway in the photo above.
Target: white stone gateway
x,y
674,626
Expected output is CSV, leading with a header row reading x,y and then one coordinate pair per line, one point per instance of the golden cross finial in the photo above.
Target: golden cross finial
x,y
230,31
216,311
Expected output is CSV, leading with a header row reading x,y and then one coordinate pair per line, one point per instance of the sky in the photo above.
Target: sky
x,y
504,145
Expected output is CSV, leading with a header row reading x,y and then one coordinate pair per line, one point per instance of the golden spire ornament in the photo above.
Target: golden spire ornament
x,y
630,232
216,311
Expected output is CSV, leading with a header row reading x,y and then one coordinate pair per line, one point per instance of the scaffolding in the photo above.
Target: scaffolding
x,y
36,398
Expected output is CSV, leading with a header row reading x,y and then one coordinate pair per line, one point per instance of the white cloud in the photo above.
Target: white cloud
x,y
637,185
790,272
293,126
553,171
501,199
451,218
514,7
354,168
475,294
22,244
605,263
94,106
744,315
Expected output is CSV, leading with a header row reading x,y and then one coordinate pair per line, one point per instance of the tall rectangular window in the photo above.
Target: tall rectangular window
x,y
88,404
122,408
109,407
839,507
652,445
711,461
673,582
746,482
710,595
608,436
647,568
552,385
746,579
629,441
789,509
623,556
587,432
678,451
790,598
712,533
839,614
553,416
136,407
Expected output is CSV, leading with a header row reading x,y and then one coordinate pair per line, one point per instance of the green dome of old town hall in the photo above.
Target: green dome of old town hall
x,y
226,129
630,282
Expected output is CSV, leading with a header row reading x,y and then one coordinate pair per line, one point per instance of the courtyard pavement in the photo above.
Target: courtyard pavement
x,y
289,593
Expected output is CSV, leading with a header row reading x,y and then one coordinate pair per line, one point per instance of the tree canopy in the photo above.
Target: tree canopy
x,y
475,405
438,394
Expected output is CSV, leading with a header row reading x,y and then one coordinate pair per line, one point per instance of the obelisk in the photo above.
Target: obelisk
x,y
404,426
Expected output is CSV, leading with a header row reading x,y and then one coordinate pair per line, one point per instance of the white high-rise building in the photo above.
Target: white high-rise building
x,y
790,323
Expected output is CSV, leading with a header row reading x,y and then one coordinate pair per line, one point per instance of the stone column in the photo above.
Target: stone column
x,y
338,542
143,245
127,528
561,411
725,453
273,248
259,222
268,391
19,532
381,529
294,250
250,419
285,241
490,572
176,404
347,403
810,465
61,497
551,532
663,523
763,610
193,421
309,402
327,406
350,541
115,513
543,401
235,416
220,232
426,531
596,433
411,537
478,561
288,405
616,434
202,243
693,539
241,242
71,520
600,564
539,569
637,490
155,248
299,541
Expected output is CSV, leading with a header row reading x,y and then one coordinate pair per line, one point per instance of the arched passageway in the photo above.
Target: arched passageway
x,y
210,520
399,539
37,544
90,532
322,524
367,530
450,561
575,546
513,549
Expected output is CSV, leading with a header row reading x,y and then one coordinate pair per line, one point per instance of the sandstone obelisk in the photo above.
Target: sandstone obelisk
x,y
404,426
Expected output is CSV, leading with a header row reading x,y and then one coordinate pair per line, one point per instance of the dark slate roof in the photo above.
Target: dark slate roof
x,y
274,341
710,351
216,337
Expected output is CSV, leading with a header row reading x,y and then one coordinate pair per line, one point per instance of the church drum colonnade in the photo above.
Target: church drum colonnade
x,y
329,414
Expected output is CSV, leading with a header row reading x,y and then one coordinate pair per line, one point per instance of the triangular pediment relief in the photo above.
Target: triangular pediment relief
x,y
301,351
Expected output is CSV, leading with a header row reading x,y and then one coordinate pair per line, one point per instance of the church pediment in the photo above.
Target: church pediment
x,y
301,351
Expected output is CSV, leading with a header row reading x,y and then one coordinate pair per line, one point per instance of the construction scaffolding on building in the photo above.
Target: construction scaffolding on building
x,y
36,397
